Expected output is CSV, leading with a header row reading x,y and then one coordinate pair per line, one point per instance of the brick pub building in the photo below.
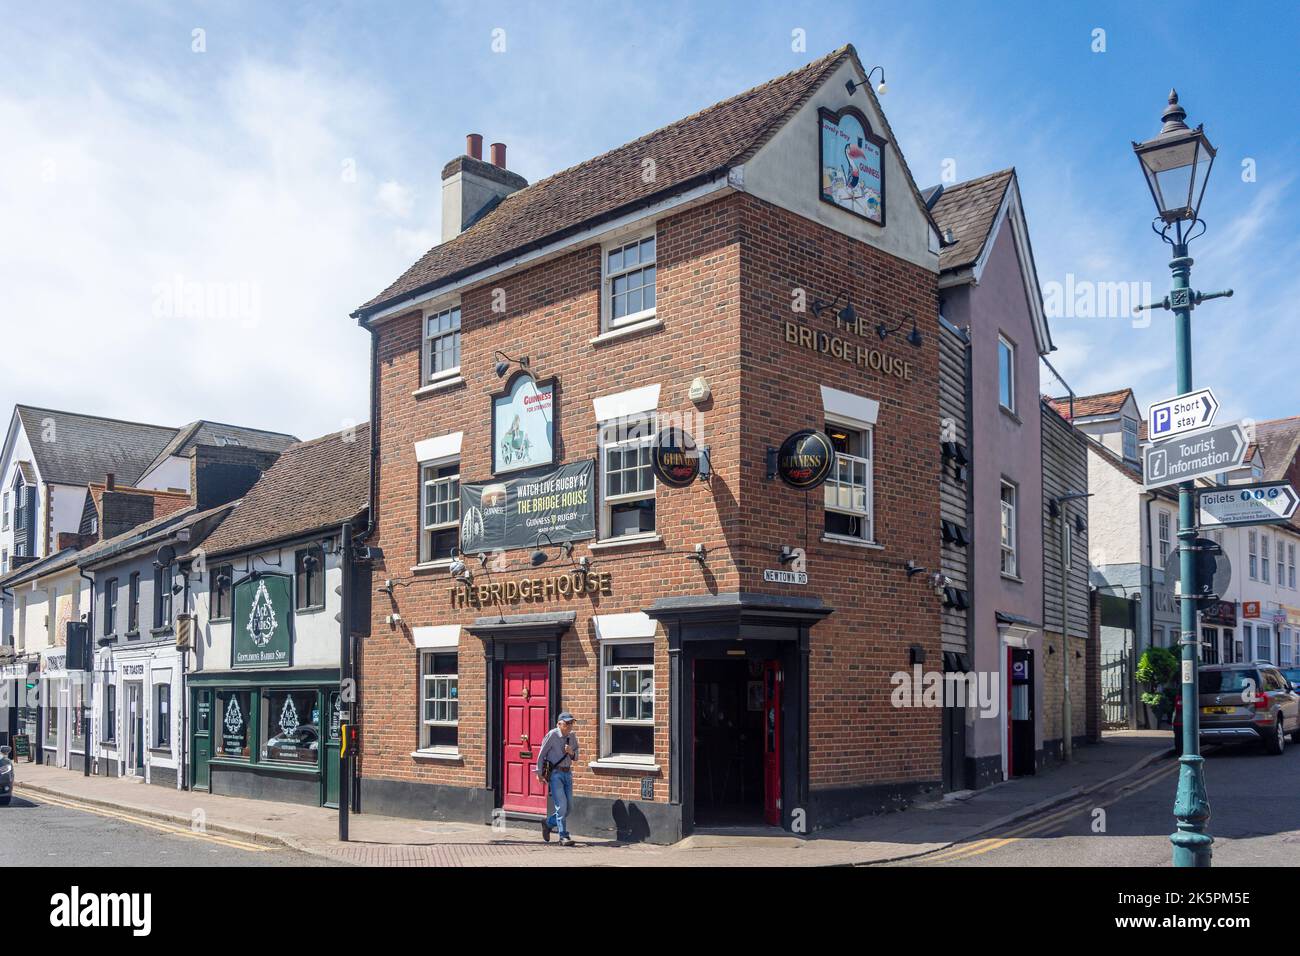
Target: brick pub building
x,y
762,267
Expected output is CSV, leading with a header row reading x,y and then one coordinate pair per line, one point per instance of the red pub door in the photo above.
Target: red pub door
x,y
772,742
526,719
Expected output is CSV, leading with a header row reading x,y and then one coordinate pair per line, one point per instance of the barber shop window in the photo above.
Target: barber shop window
x,y
440,701
309,570
627,478
222,577
439,511
234,711
291,726
847,491
162,716
628,711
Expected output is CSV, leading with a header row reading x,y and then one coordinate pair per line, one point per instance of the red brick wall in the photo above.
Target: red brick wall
x,y
723,319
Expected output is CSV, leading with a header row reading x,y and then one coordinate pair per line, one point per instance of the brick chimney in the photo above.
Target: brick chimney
x,y
471,187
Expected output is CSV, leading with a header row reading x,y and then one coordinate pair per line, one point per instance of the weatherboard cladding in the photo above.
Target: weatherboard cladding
x,y
74,449
1065,469
952,494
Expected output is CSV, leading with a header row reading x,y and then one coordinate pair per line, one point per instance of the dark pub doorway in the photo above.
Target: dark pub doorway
x,y
737,742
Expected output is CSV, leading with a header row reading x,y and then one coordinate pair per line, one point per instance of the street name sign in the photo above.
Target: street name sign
x,y
1182,414
1182,459
1266,502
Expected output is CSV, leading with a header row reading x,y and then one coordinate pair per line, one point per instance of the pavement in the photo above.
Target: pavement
x,y
393,841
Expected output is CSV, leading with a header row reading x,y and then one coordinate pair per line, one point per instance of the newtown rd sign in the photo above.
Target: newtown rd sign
x,y
1182,459
1182,414
1268,502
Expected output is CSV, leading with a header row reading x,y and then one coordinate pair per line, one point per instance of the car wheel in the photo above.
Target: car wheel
x,y
1277,744
1295,735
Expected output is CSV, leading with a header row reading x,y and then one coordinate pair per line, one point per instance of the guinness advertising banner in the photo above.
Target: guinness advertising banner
x,y
504,515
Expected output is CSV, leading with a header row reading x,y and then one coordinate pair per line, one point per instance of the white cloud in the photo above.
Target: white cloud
x,y
395,199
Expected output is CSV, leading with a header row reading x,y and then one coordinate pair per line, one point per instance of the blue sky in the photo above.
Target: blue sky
x,y
291,169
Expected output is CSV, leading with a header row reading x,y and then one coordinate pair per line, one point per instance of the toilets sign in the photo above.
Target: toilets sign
x,y
1268,502
1182,414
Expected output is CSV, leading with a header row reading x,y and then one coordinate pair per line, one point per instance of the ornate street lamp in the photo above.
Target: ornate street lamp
x,y
1177,164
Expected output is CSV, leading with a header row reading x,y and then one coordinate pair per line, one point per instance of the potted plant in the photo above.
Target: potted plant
x,y
1156,672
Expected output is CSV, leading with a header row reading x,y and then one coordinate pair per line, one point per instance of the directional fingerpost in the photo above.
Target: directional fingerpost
x,y
1195,456
1182,414
1265,502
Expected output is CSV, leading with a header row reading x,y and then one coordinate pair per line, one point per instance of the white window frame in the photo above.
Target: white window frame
x,y
833,487
445,682
1264,558
644,426
1281,562
1285,652
1290,566
427,341
1164,524
426,529
1252,549
1264,632
1012,549
608,322
5,525
1010,346
1129,428
606,737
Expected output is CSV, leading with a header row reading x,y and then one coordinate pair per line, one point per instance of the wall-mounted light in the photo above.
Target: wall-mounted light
x,y
913,569
538,557
505,361
700,554
882,87
914,337
786,554
845,315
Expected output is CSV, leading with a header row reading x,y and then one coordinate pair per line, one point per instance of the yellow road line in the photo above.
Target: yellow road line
x,y
170,828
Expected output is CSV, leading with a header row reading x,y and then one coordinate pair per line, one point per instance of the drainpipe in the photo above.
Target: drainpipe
x,y
90,639
183,777
1149,590
971,604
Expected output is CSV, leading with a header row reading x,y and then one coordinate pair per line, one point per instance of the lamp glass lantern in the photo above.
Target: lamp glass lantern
x,y
1177,165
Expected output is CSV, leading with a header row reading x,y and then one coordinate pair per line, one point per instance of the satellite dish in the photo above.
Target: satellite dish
x,y
166,555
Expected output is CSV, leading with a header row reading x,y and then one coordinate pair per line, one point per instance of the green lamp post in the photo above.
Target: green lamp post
x,y
1177,165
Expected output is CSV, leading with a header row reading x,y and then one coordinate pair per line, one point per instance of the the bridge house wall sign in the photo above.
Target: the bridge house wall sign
x,y
805,459
675,458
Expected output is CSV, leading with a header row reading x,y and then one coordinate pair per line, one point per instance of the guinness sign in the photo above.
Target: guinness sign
x,y
805,459
674,457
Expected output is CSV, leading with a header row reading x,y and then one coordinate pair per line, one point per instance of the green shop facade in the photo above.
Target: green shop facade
x,y
264,698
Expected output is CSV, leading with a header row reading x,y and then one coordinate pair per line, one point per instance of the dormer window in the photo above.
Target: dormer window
x,y
1130,427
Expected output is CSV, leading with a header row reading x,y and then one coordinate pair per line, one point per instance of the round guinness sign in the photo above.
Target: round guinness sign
x,y
674,457
805,459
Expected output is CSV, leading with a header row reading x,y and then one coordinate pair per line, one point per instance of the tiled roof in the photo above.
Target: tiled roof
x,y
688,152
1279,442
969,210
75,449
204,432
1087,406
159,528
315,484
35,569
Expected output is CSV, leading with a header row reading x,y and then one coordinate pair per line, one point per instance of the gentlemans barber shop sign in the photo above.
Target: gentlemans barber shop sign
x,y
261,623
502,515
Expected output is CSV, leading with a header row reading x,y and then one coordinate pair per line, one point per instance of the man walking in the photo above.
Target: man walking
x,y
555,767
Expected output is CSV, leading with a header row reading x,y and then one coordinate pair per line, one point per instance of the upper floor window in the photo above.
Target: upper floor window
x,y
1010,537
441,343
162,596
848,489
629,282
309,568
1252,551
1130,427
133,603
4,561
110,606
627,478
20,502
1281,562
1006,374
1164,537
1263,558
439,511
4,522
222,577
1290,566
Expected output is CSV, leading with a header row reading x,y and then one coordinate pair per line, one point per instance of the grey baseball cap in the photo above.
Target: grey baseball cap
x,y
567,717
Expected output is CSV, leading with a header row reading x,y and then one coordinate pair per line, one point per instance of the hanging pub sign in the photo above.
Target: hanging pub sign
x,y
503,515
805,459
852,164
523,425
675,457
261,622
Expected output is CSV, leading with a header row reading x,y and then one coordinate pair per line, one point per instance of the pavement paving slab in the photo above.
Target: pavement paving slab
x,y
394,841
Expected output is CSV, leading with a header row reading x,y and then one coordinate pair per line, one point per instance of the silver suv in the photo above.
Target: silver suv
x,y
1244,703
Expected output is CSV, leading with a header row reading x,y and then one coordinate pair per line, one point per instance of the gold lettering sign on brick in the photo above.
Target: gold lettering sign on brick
x,y
845,349
556,587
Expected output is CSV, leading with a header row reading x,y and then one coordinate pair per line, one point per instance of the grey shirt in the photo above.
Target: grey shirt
x,y
552,749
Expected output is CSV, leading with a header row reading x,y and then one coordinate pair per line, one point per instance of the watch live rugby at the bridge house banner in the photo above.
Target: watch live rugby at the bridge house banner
x,y
502,515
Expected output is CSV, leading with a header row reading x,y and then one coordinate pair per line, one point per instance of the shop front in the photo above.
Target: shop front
x,y
18,704
137,718
54,711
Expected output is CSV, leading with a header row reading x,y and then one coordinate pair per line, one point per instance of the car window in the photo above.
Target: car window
x,y
1227,682
1292,674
